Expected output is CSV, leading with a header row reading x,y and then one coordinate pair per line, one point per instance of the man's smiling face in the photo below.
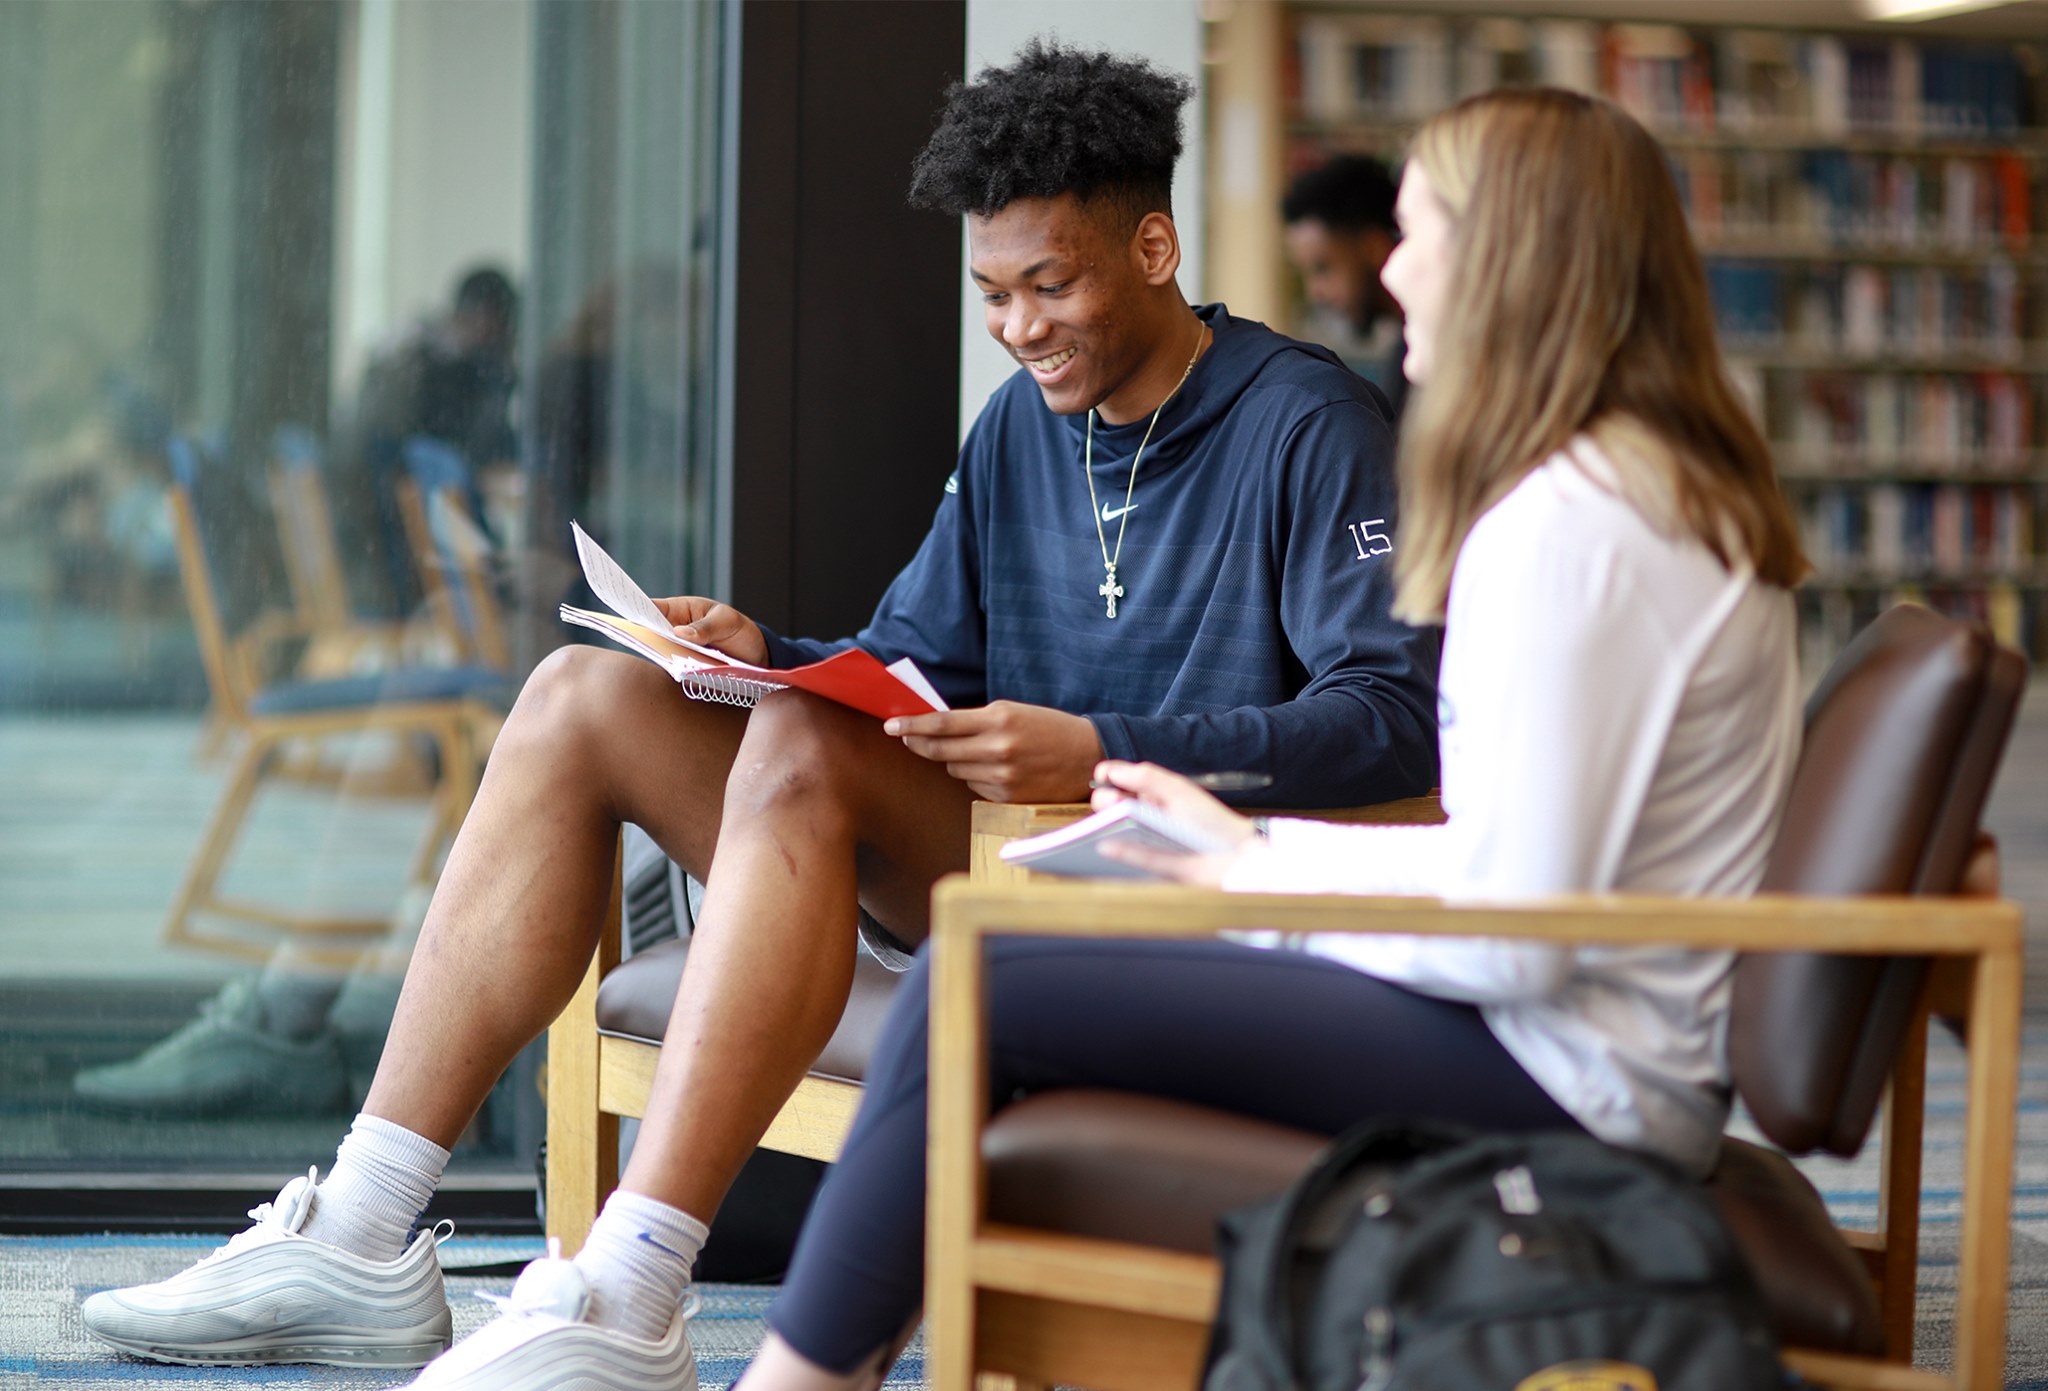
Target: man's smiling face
x,y
1063,294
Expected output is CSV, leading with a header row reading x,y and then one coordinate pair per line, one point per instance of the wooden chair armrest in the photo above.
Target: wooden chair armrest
x,y
1011,820
252,656
1937,926
272,626
996,824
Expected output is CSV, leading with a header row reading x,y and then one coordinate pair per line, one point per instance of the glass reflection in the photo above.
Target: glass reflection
x,y
324,321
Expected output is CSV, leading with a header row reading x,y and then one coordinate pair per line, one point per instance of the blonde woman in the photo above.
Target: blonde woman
x,y
1591,512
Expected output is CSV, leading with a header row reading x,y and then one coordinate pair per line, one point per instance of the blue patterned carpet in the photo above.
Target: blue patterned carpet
x,y
42,1344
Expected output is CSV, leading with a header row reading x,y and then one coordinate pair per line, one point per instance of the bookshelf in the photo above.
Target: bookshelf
x,y
1872,205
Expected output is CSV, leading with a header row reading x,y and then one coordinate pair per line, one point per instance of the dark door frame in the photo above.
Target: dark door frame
x,y
842,404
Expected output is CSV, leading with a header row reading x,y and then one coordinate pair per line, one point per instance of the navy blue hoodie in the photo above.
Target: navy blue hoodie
x,y
1254,631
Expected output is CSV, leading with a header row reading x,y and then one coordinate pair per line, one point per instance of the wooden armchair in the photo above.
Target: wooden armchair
x,y
457,709
1052,1306
1068,1235
338,641
603,1047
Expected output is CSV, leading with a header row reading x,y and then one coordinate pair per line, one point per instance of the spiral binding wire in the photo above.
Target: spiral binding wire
x,y
741,691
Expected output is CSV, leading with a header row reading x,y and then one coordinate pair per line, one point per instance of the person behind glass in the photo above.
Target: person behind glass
x,y
611,386
1340,229
1592,511
1217,466
451,377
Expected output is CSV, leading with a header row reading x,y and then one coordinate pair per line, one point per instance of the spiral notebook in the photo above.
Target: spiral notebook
x,y
853,677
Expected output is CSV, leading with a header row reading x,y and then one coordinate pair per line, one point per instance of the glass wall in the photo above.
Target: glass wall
x,y
323,320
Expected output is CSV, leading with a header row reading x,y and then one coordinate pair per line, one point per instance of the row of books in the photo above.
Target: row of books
x,y
1982,422
1906,530
1748,79
1830,617
1365,67
1869,311
1858,201
1402,68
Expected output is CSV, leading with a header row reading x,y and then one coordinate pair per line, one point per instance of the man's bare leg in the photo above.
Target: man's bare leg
x,y
821,808
824,807
597,738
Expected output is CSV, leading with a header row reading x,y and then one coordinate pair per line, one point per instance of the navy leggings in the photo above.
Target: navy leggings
x,y
1277,1035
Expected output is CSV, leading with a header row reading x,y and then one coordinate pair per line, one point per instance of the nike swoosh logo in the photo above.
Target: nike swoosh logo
x,y
648,1237
288,1311
1110,514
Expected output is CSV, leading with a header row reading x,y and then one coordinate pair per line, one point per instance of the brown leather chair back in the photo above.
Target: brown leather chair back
x,y
1903,738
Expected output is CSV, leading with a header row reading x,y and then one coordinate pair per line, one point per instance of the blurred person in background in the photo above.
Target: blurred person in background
x,y
1339,218
451,377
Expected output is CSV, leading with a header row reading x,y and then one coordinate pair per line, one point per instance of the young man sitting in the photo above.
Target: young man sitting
x,y
1166,539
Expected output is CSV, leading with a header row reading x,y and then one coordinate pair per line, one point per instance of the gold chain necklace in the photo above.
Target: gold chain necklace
x,y
1109,589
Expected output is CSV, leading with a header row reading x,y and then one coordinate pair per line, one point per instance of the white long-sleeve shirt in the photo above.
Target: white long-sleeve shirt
x,y
1618,712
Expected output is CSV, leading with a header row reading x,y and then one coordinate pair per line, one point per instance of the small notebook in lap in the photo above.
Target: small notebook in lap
x,y
1075,850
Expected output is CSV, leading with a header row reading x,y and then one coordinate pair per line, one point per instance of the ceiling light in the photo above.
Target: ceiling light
x,y
1908,10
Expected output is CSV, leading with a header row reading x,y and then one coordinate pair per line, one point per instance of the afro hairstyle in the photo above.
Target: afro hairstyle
x,y
1349,193
1057,120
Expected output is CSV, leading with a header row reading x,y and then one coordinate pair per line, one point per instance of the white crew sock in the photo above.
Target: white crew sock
x,y
637,1262
382,1179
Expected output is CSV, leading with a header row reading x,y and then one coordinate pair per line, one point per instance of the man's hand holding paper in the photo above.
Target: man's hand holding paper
x,y
1007,751
708,623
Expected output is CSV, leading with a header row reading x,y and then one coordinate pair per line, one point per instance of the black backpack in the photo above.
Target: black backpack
x,y
1422,1257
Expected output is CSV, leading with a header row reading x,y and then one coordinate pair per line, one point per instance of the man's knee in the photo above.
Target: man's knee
x,y
580,691
798,753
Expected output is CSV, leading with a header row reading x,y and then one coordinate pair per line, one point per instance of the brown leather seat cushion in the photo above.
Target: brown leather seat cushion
x,y
1127,1167
1815,1287
635,999
1138,1168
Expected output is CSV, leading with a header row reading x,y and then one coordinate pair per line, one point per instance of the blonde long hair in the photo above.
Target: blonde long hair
x,y
1576,305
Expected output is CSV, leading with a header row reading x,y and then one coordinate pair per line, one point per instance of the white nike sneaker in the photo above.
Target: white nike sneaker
x,y
542,1342
271,1295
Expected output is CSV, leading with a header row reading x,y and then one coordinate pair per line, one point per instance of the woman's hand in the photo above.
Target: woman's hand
x,y
709,623
1186,803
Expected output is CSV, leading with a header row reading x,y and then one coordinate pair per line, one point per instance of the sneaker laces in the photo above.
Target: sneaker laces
x,y
221,1012
550,1285
227,1004
555,1286
287,1212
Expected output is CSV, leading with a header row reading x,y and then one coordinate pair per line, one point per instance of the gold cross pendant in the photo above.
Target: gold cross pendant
x,y
1110,590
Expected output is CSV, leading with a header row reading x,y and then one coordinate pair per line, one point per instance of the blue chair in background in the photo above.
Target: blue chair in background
x,y
442,508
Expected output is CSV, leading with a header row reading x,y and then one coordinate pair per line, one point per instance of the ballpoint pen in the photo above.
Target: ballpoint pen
x,y
1233,781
